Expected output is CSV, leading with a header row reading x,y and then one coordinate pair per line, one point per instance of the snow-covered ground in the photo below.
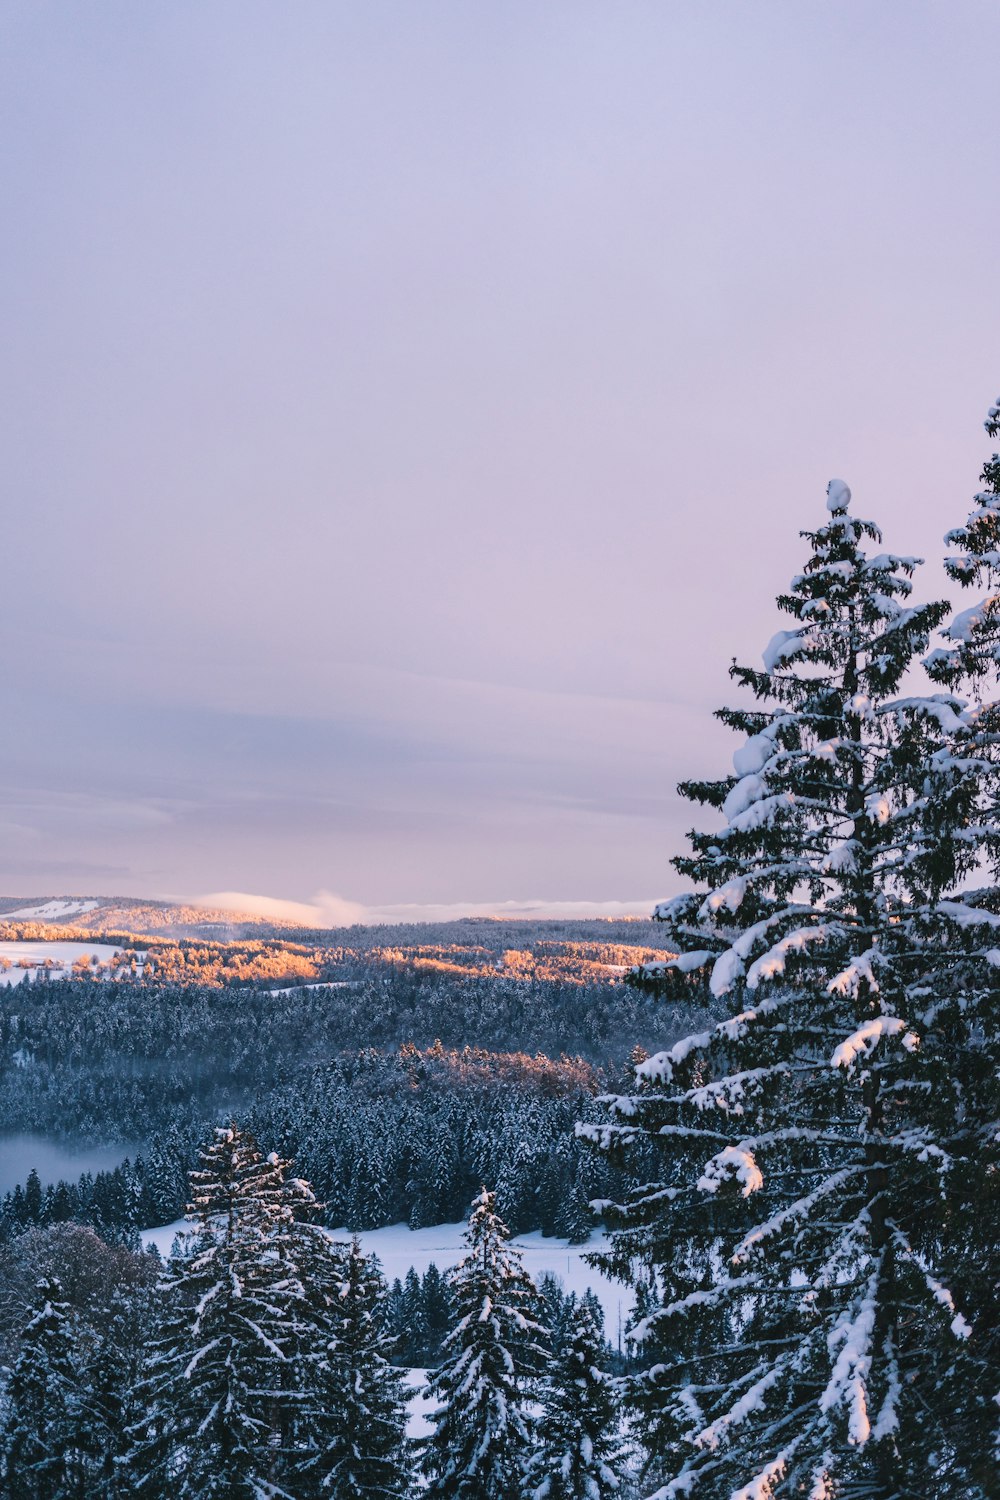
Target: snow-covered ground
x,y
399,1247
418,1406
60,957
49,911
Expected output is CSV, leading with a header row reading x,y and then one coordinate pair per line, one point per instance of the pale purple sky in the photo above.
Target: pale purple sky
x,y
409,409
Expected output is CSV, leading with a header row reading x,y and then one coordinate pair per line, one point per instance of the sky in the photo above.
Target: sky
x,y
409,410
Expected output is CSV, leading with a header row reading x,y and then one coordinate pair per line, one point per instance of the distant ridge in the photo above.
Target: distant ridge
x,y
96,914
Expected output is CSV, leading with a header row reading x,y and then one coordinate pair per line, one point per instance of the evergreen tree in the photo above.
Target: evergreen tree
x,y
581,1455
971,661
33,1197
414,1321
113,1370
482,1429
358,1422
821,1146
437,1312
973,652
40,1457
219,1392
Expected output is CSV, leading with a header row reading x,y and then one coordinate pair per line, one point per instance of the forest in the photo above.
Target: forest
x,y
460,1071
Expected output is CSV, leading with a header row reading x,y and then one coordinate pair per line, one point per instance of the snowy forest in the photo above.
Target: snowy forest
x,y
781,1099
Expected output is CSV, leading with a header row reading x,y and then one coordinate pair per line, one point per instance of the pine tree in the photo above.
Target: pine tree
x,y
40,1456
437,1312
806,1339
112,1371
219,1393
33,1197
971,661
414,1320
973,653
358,1416
482,1429
581,1455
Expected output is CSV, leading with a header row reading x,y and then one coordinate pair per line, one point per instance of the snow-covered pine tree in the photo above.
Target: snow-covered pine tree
x,y
973,652
219,1396
580,1455
40,1454
112,1369
357,1403
482,1429
806,1341
970,661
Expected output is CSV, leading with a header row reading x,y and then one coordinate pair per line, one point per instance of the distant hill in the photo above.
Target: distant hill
x,y
97,914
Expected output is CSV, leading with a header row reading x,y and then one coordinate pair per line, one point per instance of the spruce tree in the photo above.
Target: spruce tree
x,y
111,1368
970,661
414,1321
580,1454
482,1428
358,1414
219,1392
972,655
820,1154
40,1454
437,1312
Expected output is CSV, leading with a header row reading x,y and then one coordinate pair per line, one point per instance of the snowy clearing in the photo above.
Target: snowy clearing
x,y
28,958
398,1248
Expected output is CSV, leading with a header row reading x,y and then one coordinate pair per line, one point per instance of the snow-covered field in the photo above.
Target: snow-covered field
x,y
398,1248
60,957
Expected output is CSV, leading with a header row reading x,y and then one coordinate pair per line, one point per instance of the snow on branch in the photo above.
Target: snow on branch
x,y
752,1400
732,1161
967,916
759,814
727,1094
797,1210
783,645
772,963
728,897
968,622
762,1486
943,709
726,970
684,963
849,980
754,754
660,1067
960,1327
864,1041
701,1298
850,1339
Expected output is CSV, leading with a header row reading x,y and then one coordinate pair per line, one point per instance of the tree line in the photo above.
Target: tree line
x,y
385,1138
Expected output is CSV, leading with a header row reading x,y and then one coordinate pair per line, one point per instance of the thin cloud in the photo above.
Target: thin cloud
x,y
329,910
